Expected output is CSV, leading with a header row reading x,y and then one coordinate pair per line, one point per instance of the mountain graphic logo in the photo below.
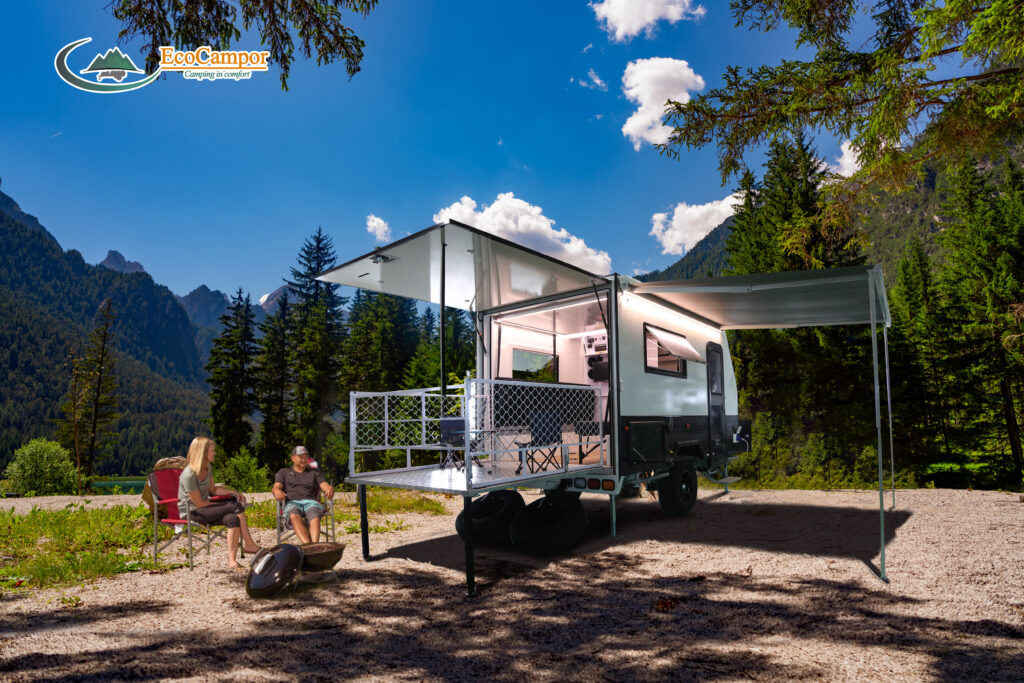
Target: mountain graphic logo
x,y
114,65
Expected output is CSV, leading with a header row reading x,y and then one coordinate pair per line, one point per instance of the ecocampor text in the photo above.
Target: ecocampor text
x,y
205,57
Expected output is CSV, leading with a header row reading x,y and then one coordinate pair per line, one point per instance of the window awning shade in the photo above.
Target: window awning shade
x,y
676,344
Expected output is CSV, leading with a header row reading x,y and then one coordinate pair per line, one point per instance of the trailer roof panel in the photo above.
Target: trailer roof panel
x,y
806,298
482,271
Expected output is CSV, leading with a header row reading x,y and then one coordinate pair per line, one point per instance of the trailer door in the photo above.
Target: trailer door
x,y
716,396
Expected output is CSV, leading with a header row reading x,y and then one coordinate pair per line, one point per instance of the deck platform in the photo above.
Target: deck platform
x,y
452,480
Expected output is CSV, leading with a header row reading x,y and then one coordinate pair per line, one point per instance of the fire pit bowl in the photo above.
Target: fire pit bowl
x,y
321,557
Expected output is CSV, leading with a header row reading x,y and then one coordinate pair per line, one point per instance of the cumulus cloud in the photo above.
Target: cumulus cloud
x,y
624,19
595,82
846,163
689,224
517,221
650,83
378,228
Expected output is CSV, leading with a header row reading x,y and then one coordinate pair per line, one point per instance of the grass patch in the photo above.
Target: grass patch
x,y
391,501
48,548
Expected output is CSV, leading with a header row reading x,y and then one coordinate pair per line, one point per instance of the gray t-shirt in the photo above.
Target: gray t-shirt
x,y
303,485
189,481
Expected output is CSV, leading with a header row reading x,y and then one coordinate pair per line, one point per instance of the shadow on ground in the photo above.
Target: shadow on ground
x,y
547,624
822,531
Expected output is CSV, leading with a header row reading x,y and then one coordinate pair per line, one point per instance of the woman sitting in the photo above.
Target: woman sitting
x,y
196,485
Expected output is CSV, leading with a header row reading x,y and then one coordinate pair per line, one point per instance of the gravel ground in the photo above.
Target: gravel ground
x,y
752,585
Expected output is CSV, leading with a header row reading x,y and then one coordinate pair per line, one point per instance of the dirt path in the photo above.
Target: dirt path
x,y
753,585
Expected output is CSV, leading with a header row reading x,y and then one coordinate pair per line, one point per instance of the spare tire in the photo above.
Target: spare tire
x,y
549,526
677,493
491,515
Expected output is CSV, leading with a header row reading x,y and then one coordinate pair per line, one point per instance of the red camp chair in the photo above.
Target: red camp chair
x,y
164,485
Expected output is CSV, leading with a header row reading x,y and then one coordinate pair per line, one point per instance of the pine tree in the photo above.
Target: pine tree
x,y
273,383
982,280
71,428
382,339
424,366
100,386
798,376
315,358
232,400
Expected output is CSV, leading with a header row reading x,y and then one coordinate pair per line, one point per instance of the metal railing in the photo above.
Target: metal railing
x,y
496,431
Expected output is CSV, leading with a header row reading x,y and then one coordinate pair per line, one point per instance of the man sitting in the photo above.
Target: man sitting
x,y
297,488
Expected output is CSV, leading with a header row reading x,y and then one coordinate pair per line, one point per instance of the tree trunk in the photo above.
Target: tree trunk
x,y
1012,429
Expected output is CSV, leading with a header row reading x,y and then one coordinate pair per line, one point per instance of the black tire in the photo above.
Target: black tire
x,y
677,493
491,515
549,526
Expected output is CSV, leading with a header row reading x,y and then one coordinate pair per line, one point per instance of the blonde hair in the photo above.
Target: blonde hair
x,y
197,453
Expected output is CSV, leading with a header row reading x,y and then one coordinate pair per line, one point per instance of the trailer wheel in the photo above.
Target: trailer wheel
x,y
491,515
677,493
549,526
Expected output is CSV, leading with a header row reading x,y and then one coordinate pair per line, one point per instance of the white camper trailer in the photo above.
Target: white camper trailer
x,y
584,383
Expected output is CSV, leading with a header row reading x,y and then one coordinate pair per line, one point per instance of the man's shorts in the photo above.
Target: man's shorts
x,y
310,509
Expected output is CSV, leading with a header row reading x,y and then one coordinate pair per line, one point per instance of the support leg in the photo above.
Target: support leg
x,y
613,499
364,528
726,476
470,575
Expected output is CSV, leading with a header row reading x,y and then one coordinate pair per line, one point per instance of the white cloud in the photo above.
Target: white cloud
x,y
846,163
650,83
624,19
689,224
378,228
517,221
500,142
595,82
587,48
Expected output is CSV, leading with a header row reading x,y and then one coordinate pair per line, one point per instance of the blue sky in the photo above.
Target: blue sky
x,y
219,183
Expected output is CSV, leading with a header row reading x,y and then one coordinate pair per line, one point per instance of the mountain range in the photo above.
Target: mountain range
x,y
48,300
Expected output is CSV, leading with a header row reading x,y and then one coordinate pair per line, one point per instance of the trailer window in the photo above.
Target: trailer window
x,y
666,352
534,366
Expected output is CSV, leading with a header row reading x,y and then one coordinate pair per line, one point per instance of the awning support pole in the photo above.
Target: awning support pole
x,y
468,541
878,429
888,402
441,327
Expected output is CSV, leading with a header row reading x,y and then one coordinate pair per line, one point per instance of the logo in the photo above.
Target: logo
x,y
206,64
114,66
202,64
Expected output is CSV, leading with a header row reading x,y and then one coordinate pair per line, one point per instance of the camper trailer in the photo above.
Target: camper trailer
x,y
584,383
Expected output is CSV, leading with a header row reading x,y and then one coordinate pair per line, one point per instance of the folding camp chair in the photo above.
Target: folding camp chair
x,y
284,524
590,428
545,441
164,485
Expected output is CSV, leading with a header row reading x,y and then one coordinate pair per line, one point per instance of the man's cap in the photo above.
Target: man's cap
x,y
300,450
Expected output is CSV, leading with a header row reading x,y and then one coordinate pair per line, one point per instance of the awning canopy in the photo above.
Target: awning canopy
x,y
482,271
804,298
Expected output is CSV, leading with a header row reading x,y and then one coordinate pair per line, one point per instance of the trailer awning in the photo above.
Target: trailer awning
x,y
805,298
481,271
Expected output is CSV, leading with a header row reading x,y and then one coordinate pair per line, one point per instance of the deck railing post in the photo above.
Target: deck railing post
x,y
467,458
364,528
353,432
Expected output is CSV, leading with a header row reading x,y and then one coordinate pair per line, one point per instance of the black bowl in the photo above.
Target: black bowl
x,y
273,570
